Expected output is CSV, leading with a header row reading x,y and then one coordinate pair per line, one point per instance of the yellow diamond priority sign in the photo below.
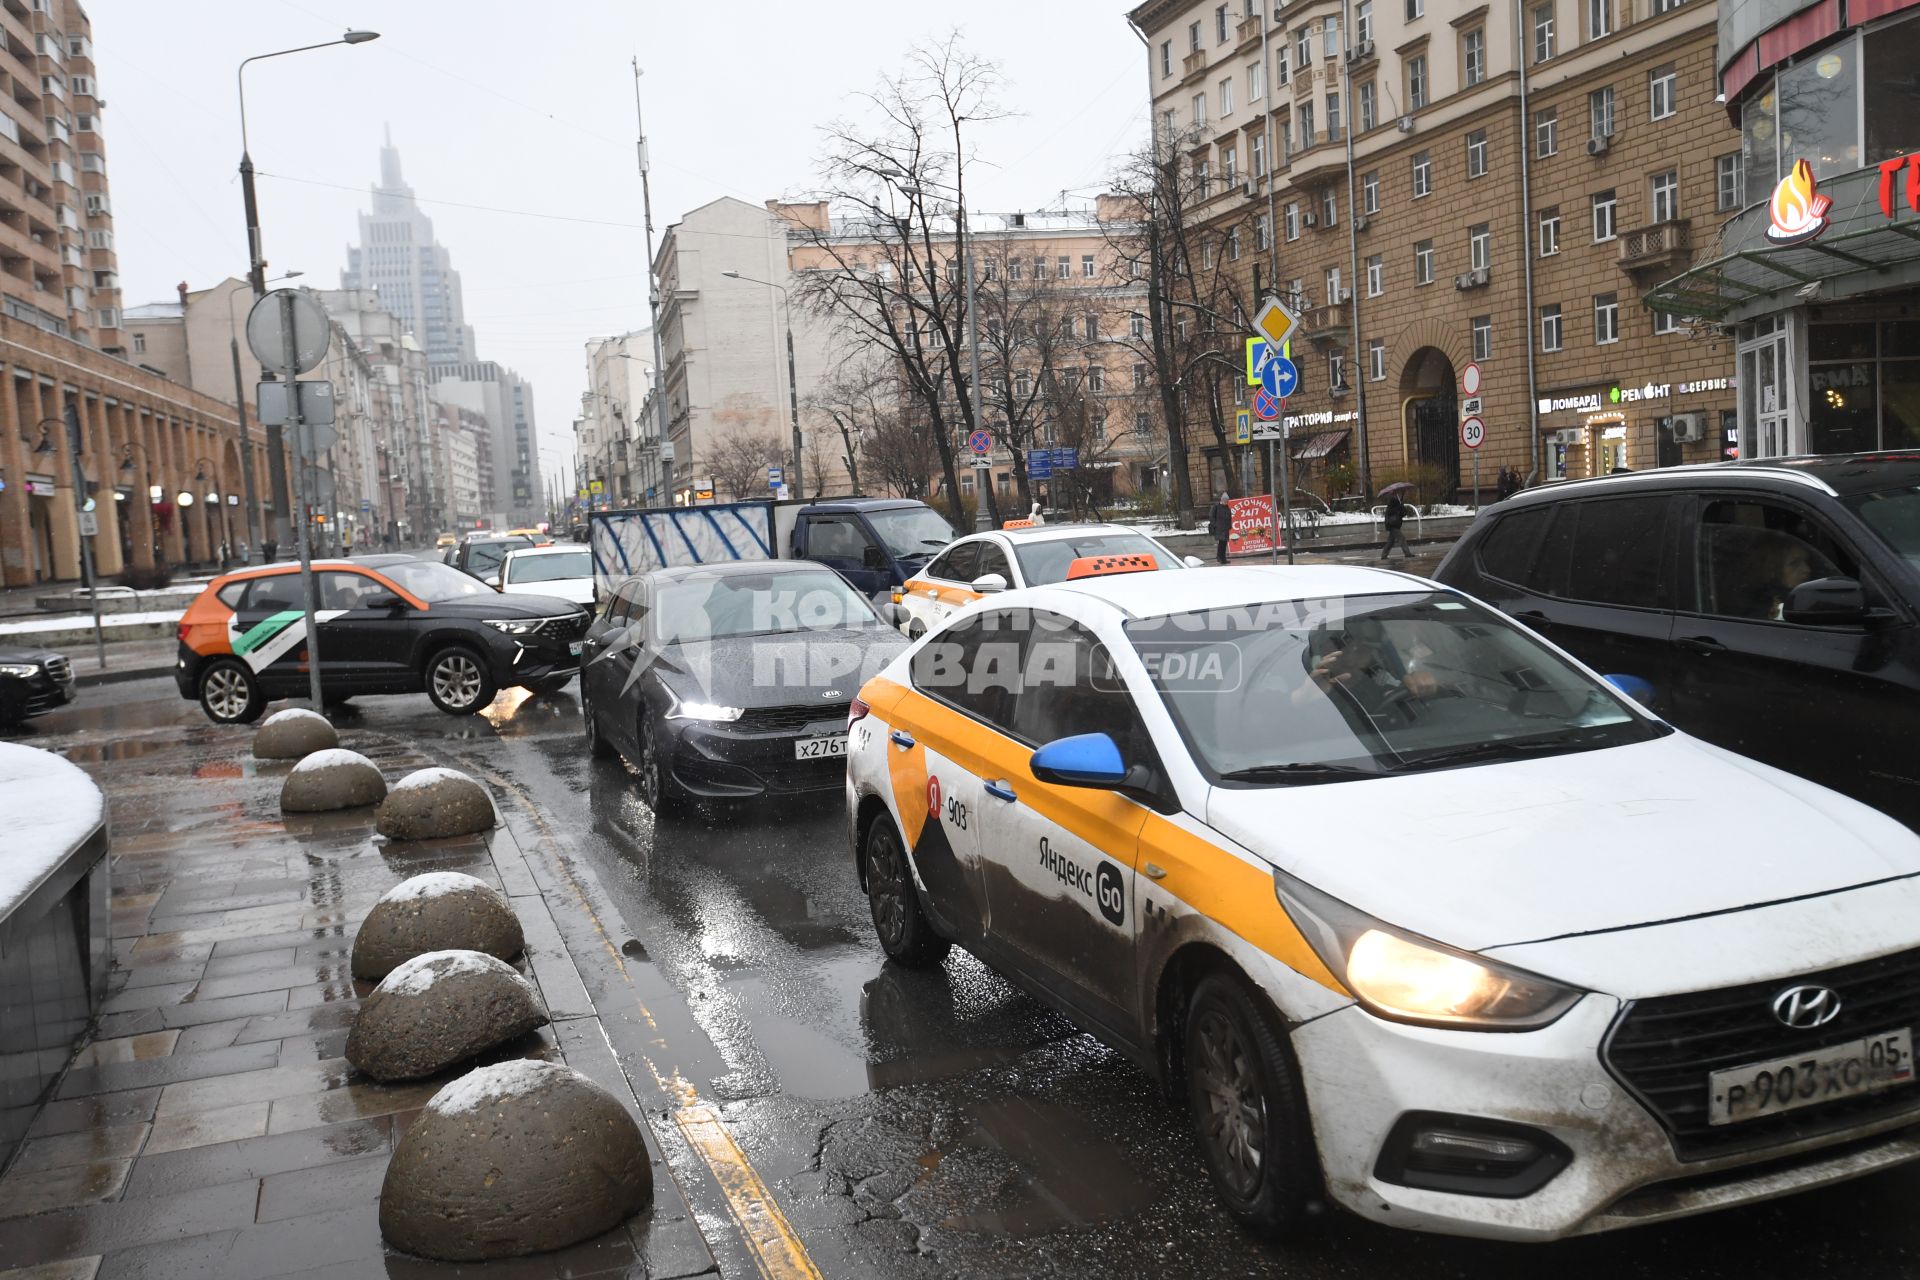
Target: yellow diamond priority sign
x,y
1275,321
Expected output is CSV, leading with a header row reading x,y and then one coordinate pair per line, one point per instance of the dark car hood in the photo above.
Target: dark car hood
x,y
779,670
493,605
15,654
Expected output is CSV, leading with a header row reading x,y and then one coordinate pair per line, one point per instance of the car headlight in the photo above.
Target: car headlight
x,y
1407,978
22,670
514,626
701,711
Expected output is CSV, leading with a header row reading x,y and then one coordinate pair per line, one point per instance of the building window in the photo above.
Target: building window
x,y
1063,265
1483,337
1226,97
1330,39
1336,370
1286,141
1727,182
1333,117
1303,46
1335,294
1166,58
1207,255
1370,192
1600,112
1193,37
1262,233
1305,116
1369,107
1543,33
1220,25
1376,276
1546,132
1422,174
1416,9
1292,216
83,122
1139,376
1550,331
1229,166
1199,110
1606,318
1256,81
1480,246
1377,359
1666,6
1013,270
1604,225
1096,378
1550,231
1086,264
139,344
1091,327
1280,63
1417,82
1423,262
1661,93
1666,196
1477,154
1599,18
1257,145
1473,56
1329,208
1136,325
1363,22
1665,323
1233,244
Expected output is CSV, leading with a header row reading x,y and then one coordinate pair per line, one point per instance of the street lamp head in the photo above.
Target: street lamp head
x,y
360,37
731,275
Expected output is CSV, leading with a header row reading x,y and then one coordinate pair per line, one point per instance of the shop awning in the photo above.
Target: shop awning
x,y
1319,446
1752,274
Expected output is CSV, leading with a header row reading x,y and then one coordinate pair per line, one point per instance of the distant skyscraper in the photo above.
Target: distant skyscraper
x,y
398,256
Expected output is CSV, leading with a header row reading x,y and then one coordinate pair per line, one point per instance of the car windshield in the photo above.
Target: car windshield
x,y
1894,515
719,606
1047,560
911,531
485,557
550,567
433,582
1346,687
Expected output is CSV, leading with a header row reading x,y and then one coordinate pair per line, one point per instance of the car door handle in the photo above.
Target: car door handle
x,y
1706,646
904,741
1001,791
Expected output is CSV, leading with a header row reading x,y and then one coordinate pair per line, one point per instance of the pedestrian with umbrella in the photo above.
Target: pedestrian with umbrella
x,y
1393,518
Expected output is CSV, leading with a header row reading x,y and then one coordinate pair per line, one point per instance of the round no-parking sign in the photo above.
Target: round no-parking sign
x,y
1473,432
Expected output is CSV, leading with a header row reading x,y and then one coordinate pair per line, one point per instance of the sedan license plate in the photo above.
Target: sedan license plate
x,y
820,748
573,649
1847,1070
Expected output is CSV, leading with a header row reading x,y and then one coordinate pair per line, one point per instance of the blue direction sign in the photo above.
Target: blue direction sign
x,y
1066,459
980,441
1266,406
1040,464
1280,378
776,476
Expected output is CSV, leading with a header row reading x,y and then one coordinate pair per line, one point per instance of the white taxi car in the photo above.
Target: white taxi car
x,y
1006,559
1419,914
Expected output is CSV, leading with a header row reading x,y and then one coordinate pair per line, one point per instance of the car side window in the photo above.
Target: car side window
x,y
1749,553
233,593
1620,552
273,593
1071,687
835,538
975,668
957,564
992,560
338,590
1506,553
614,607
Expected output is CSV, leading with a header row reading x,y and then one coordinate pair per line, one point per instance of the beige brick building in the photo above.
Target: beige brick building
x,y
1445,188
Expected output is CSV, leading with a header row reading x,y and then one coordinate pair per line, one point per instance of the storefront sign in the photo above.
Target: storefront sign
x,y
1319,418
1889,170
1579,404
1705,384
1630,395
1797,213
1651,391
1252,525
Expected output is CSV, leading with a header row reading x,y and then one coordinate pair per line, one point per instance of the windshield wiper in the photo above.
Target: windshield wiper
x,y
1504,749
1300,772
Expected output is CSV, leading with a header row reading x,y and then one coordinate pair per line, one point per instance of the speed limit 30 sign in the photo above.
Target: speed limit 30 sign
x,y
1473,432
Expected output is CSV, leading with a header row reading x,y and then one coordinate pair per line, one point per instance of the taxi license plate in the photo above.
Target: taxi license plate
x,y
820,748
573,649
1868,1065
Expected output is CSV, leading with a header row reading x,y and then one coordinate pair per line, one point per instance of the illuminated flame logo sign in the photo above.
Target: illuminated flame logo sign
x,y
1799,213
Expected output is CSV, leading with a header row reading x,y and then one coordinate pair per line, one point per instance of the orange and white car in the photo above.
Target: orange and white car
x,y
1006,559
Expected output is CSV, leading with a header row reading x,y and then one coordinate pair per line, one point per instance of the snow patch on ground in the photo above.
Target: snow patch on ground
x,y
428,777
417,976
433,884
485,1085
51,805
329,758
292,714
69,622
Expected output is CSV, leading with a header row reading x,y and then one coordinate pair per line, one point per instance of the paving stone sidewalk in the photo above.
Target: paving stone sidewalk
x,y
211,1127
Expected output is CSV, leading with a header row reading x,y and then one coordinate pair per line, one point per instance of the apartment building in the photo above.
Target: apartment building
x,y
615,442
1436,185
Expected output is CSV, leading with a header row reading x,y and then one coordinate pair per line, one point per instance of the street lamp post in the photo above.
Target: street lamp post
x,y
793,378
204,471
257,263
70,423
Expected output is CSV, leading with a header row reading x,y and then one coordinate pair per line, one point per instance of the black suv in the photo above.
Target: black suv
x,y
1771,604
482,557
32,682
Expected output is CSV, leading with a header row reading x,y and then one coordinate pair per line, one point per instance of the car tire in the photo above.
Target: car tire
x,y
597,744
662,794
1248,1108
906,935
458,681
230,692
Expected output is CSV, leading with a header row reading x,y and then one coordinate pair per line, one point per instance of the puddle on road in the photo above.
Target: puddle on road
x,y
1076,1174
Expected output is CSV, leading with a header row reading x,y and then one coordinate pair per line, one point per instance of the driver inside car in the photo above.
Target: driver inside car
x,y
1360,661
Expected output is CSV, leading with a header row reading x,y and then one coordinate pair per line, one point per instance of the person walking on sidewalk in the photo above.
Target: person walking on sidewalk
x,y
1220,525
1394,517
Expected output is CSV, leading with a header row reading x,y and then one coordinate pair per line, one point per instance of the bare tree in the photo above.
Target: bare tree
x,y
900,454
745,444
855,398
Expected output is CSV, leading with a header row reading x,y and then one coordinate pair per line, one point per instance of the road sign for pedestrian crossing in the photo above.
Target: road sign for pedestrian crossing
x,y
1243,427
1259,351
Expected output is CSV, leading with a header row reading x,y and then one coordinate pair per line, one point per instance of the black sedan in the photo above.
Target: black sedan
x,y
32,682
731,681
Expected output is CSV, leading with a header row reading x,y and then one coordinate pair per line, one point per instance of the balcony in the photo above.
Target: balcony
x,y
1663,247
1303,81
1194,63
1248,30
1330,324
1317,158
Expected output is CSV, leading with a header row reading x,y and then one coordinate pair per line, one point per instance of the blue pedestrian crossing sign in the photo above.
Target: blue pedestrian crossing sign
x,y
1279,377
1243,427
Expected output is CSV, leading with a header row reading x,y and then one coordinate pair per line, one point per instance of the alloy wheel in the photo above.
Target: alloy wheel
x,y
226,693
1234,1117
649,768
456,678
886,887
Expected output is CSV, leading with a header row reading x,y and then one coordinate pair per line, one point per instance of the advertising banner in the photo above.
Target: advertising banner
x,y
1252,525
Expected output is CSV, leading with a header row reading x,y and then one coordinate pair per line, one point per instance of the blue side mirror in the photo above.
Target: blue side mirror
x,y
1635,687
1084,760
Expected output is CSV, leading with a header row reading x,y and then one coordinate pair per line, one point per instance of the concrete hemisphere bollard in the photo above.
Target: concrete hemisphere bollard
x,y
438,1009
515,1158
430,803
438,911
332,779
293,734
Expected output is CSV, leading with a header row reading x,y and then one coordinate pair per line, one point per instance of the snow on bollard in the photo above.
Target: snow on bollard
x,y
332,779
439,911
293,734
439,1009
430,803
515,1158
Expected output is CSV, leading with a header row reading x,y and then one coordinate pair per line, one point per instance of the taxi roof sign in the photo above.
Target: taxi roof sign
x,y
1100,566
1276,321
1016,524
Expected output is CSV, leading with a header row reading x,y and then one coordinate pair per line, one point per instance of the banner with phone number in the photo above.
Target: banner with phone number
x,y
1252,525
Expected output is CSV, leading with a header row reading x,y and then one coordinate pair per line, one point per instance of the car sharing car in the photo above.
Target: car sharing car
x,y
388,624
564,570
1417,914
1008,559
32,683
731,681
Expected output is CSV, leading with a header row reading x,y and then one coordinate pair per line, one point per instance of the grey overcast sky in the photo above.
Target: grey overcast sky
x,y
528,110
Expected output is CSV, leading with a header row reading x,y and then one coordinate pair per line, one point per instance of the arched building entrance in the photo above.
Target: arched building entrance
x,y
1430,419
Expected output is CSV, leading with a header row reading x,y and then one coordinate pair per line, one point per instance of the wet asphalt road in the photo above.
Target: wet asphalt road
x,y
932,1124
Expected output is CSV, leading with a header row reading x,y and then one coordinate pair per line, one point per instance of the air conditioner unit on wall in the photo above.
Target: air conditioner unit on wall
x,y
1406,124
1361,50
1360,223
1688,428
1597,146
1472,279
1309,220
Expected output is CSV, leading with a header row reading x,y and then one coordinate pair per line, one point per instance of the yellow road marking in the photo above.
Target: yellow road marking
x,y
769,1237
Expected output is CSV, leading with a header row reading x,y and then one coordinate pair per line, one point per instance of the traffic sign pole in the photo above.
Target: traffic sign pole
x,y
290,370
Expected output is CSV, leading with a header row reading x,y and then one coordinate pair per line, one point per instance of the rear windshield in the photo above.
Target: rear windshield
x,y
1044,562
551,568
432,581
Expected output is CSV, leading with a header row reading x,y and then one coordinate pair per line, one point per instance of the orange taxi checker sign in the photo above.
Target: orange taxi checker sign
x,y
1016,524
1100,566
1797,213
